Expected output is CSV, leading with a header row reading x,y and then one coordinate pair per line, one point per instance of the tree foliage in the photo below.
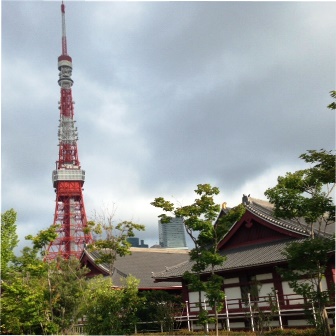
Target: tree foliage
x,y
161,307
315,253
43,238
24,308
231,217
68,285
111,240
198,219
332,106
306,277
42,298
24,304
109,310
30,263
9,239
39,297
306,195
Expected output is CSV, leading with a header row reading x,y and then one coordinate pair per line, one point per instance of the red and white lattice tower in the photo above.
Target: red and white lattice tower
x,y
68,178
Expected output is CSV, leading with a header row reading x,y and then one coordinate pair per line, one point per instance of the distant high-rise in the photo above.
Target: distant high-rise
x,y
134,241
172,235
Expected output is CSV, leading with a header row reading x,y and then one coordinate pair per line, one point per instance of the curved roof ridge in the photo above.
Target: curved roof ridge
x,y
261,202
264,209
167,269
267,213
124,275
93,255
238,258
176,266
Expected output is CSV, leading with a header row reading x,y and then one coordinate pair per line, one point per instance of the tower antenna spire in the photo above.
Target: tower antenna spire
x,y
68,177
64,41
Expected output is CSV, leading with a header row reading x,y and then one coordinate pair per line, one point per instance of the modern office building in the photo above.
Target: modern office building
x,y
172,235
134,241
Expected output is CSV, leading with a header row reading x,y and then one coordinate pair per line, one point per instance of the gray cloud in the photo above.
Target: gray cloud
x,y
168,95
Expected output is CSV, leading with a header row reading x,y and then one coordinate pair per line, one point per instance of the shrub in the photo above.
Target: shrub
x,y
294,332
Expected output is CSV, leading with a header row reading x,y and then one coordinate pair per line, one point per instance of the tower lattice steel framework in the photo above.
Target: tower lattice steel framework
x,y
68,177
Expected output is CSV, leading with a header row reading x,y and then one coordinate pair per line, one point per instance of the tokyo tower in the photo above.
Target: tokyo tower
x,y
68,177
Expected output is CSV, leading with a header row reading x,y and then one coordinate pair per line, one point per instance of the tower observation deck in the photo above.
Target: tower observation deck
x,y
68,177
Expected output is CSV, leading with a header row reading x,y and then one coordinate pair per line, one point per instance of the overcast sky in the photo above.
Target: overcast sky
x,y
168,95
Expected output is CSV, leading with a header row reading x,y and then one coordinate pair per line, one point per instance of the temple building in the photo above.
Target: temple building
x,y
253,248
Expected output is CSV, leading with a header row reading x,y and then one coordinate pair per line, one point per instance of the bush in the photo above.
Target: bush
x,y
294,332
275,332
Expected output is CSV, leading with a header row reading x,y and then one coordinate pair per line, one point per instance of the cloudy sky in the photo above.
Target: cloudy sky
x,y
168,95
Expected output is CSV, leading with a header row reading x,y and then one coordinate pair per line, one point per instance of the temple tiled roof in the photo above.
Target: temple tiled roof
x,y
236,259
268,253
142,263
264,210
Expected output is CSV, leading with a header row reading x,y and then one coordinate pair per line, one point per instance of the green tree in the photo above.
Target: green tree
x,y
112,241
24,311
306,196
24,305
68,283
161,307
43,238
199,218
40,243
305,277
40,297
110,310
332,106
29,262
9,239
